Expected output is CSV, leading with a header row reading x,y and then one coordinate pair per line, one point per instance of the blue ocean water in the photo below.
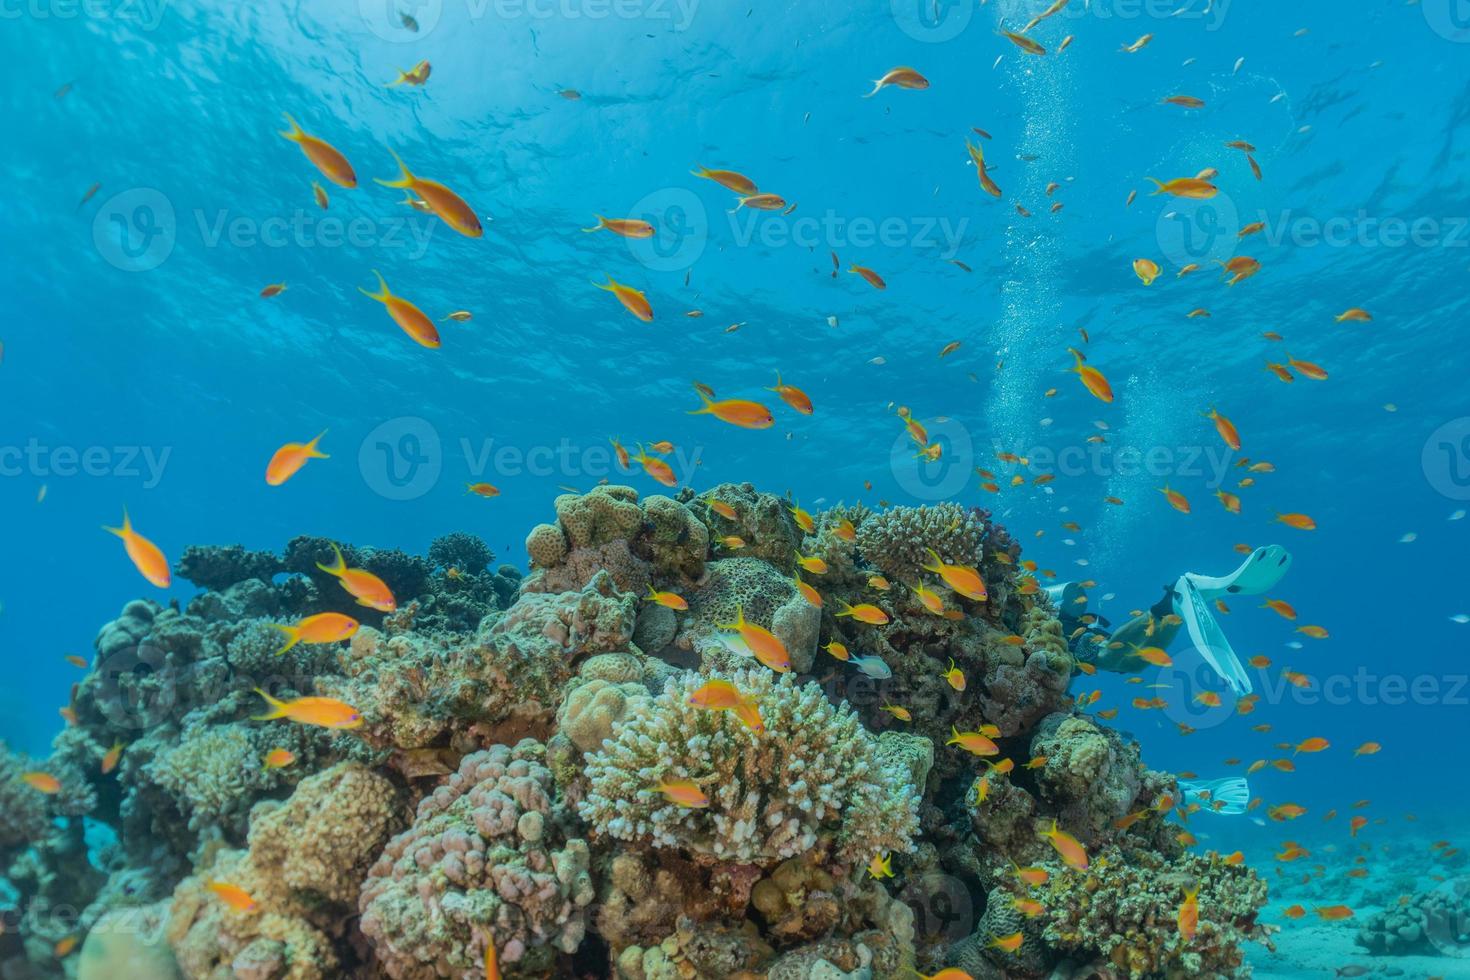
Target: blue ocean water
x,y
142,369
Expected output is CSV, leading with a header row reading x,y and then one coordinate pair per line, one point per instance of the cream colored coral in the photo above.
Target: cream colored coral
x,y
814,772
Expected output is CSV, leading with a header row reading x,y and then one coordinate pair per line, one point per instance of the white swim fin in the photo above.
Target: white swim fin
x,y
1207,636
1258,573
1233,791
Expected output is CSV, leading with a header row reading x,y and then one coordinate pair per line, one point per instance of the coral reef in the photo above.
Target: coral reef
x,y
504,785
1427,923
814,773
487,859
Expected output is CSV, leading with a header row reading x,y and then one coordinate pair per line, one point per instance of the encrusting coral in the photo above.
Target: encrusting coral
x,y
504,783
487,859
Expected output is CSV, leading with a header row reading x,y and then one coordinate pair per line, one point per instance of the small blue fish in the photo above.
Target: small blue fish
x,y
872,666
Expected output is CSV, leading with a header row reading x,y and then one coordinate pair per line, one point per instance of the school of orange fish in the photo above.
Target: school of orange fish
x,y
433,197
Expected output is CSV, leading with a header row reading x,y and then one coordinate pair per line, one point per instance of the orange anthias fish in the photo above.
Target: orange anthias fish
x,y
759,642
794,397
873,279
865,612
278,759
415,76
683,792
290,458
1091,377
632,299
954,676
626,227
964,579
902,77
322,712
975,743
1147,270
486,490
1299,521
655,467
234,896
977,156
112,758
745,414
1333,913
1071,851
669,600
1008,944
1229,501
1312,745
1282,609
449,206
1225,427
716,694
145,555
274,289
327,627
361,584
728,179
1188,917
1176,499
1368,748
323,155
42,782
1191,187
409,318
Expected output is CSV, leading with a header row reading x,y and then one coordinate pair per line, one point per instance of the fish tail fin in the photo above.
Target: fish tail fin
x,y
699,171
295,133
1158,183
778,382
125,530
611,285
405,178
708,408
293,636
277,708
383,294
601,223
339,564
877,86
311,449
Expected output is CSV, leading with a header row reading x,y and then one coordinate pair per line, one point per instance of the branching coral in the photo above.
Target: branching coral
x,y
485,859
897,540
813,773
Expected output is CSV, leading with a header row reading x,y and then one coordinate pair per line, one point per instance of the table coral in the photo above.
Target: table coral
x,y
486,857
814,772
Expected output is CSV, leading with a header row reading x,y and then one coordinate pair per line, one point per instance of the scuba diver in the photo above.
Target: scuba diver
x,y
1184,605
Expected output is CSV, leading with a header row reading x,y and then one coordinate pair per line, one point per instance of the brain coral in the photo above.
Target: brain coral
x,y
896,540
485,856
815,772
609,529
768,598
